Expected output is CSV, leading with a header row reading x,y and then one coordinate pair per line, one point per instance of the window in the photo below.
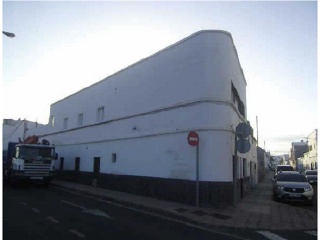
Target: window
x,y
100,114
65,123
114,157
291,178
80,119
52,121
237,101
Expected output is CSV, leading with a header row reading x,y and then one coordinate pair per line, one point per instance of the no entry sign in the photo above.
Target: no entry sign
x,y
193,138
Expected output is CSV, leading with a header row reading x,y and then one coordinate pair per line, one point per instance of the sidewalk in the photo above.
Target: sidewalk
x,y
257,210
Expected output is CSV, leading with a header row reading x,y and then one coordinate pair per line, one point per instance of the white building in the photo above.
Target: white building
x,y
13,130
310,158
129,131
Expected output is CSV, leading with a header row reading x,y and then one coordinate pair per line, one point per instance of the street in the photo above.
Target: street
x,y
35,212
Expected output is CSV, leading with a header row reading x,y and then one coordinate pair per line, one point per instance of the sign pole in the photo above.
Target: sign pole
x,y
235,169
197,177
193,140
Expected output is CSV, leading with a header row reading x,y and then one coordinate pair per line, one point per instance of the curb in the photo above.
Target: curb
x,y
148,209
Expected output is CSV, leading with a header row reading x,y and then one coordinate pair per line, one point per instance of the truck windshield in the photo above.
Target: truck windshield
x,y
32,152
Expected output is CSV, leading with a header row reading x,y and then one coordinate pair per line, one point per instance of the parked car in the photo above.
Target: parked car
x,y
292,186
282,168
312,176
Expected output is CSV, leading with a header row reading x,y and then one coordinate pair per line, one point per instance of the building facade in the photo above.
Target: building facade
x,y
309,160
129,131
13,130
298,149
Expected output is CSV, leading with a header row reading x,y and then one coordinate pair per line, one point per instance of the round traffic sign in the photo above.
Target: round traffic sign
x,y
243,145
243,130
193,138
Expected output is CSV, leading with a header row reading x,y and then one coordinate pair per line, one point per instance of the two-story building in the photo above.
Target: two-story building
x,y
128,132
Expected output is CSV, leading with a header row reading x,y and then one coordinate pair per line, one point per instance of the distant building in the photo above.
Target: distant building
x,y
297,151
309,160
264,162
17,130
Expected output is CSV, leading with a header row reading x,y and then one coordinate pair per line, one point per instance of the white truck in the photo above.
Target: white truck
x,y
30,161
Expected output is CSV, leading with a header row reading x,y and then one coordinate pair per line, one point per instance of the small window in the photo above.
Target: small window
x,y
65,123
114,157
52,121
100,114
80,120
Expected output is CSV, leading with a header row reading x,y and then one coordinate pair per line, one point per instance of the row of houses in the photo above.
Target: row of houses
x,y
128,132
304,154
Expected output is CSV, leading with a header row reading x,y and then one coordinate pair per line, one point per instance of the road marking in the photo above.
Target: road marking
x,y
73,205
23,203
97,213
314,233
270,235
35,210
52,219
75,232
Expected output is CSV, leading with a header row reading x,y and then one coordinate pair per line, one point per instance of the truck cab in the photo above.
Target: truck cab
x,y
30,162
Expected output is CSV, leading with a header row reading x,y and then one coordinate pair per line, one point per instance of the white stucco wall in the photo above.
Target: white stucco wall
x,y
201,67
165,156
149,109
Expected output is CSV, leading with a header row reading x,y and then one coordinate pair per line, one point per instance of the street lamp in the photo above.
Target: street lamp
x,y
9,34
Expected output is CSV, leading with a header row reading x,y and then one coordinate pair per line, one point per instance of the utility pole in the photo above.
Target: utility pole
x,y
257,131
24,129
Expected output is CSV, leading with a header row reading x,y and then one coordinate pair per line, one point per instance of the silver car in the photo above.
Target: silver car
x,y
292,186
312,176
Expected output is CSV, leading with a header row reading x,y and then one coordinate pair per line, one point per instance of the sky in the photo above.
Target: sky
x,y
62,47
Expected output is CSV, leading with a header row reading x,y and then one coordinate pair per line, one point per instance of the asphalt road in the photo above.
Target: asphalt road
x,y
37,213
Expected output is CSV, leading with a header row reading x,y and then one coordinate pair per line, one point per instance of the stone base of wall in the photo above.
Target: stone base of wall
x,y
212,194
